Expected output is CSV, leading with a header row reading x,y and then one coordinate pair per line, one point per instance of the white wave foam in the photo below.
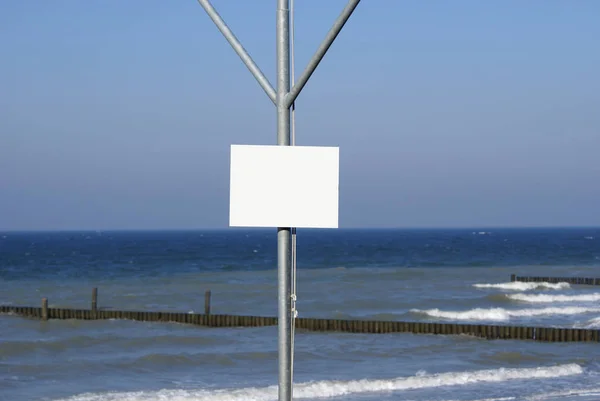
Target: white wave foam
x,y
501,314
547,298
566,393
593,323
519,286
548,396
492,399
326,389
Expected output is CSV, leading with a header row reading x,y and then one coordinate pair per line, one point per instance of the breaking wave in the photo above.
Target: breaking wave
x,y
552,395
519,286
547,298
501,314
326,389
593,323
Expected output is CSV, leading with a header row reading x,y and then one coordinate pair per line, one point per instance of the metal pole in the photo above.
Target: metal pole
x,y
320,53
283,99
283,233
239,49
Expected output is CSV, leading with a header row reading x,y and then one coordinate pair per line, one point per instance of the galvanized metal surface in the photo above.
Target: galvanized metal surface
x,y
283,97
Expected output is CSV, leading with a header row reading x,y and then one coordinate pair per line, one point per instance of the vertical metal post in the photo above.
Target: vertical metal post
x,y
283,97
283,233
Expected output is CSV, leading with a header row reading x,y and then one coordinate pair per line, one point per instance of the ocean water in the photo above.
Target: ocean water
x,y
425,275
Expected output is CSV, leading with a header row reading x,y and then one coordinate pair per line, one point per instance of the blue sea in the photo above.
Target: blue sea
x,y
421,275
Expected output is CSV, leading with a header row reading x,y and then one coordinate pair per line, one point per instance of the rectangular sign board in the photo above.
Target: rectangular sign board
x,y
284,186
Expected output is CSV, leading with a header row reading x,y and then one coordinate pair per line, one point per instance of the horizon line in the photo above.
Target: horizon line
x,y
367,228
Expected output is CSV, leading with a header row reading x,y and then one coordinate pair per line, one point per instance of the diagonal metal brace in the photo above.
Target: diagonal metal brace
x,y
239,49
320,53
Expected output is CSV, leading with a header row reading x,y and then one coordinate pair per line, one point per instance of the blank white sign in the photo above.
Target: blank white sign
x,y
284,186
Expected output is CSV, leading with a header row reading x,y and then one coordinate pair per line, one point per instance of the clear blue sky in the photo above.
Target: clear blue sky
x,y
119,114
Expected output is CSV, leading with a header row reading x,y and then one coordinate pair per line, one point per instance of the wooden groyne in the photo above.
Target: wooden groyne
x,y
554,280
492,332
